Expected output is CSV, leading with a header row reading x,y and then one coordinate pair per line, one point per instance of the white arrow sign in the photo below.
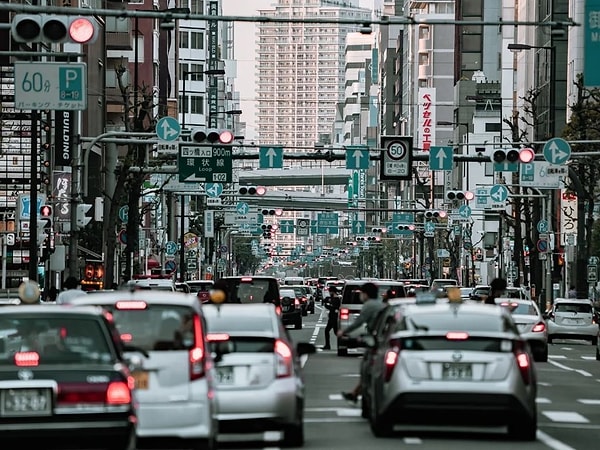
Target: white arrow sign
x,y
357,155
167,130
557,153
213,191
271,154
358,227
441,156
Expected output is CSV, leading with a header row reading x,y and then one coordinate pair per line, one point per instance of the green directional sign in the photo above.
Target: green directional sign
x,y
286,226
506,166
440,158
270,157
357,157
328,223
399,219
313,227
205,164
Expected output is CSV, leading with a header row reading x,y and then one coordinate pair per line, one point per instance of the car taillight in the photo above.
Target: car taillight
x,y
217,337
304,299
344,314
391,357
27,359
118,393
538,328
113,393
284,359
196,354
278,310
523,362
296,302
131,304
457,336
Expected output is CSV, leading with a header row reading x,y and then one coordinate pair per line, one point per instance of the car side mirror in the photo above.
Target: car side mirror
x,y
305,348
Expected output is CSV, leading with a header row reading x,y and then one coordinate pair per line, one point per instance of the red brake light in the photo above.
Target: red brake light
x,y
126,337
457,336
278,310
196,354
523,362
217,337
504,304
118,393
344,314
246,279
27,359
131,304
538,328
296,302
284,359
391,358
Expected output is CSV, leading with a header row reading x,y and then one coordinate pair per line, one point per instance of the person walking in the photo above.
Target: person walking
x,y
497,288
332,321
71,291
372,306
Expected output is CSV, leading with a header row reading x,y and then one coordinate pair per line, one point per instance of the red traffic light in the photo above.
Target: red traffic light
x,y
46,211
82,30
526,155
226,137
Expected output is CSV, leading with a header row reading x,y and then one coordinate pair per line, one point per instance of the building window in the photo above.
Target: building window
x,y
423,32
197,41
196,72
184,40
197,6
197,104
183,107
493,126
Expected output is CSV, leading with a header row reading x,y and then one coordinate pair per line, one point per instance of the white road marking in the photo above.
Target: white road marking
x,y
351,375
541,400
566,348
557,357
412,440
543,383
303,360
570,369
549,441
336,397
589,358
565,416
589,401
348,412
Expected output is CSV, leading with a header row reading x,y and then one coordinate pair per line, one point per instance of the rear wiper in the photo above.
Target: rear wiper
x,y
418,327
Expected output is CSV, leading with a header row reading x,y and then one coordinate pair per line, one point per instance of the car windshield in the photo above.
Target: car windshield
x,y
157,327
252,290
526,309
573,308
56,340
197,287
447,321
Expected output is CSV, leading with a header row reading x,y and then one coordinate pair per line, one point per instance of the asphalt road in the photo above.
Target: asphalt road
x,y
568,406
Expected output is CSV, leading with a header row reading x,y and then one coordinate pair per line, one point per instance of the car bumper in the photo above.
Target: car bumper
x,y
537,341
290,318
572,331
185,420
240,412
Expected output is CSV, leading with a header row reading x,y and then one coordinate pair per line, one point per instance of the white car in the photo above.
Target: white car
x,y
572,318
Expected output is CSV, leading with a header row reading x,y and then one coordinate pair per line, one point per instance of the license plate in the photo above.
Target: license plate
x,y
571,321
141,379
224,375
26,402
455,371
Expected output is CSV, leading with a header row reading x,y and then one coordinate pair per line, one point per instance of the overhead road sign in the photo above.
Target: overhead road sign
x,y
557,151
441,158
498,193
357,157
50,85
358,226
541,174
286,226
270,157
168,129
205,164
242,208
396,158
328,223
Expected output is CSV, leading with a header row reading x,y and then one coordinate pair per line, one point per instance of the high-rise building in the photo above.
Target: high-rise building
x,y
301,71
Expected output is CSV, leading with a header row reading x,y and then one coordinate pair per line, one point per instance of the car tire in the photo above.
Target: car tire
x,y
298,325
381,425
597,354
364,406
124,443
549,339
304,312
203,444
595,340
293,435
523,430
542,356
342,351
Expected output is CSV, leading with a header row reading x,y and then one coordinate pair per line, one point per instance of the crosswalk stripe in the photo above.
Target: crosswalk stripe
x,y
557,356
565,416
589,401
589,358
541,400
412,440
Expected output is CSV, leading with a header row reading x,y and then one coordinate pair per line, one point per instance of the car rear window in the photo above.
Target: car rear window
x,y
447,321
252,290
230,323
197,287
573,308
56,340
351,294
526,309
436,343
250,344
158,327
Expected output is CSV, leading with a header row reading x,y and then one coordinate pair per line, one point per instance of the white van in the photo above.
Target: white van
x,y
289,281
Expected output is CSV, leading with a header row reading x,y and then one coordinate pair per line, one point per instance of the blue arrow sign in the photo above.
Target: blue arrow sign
x,y
242,208
168,129
270,157
429,226
557,151
25,209
498,193
213,189
358,226
440,158
464,211
286,226
357,157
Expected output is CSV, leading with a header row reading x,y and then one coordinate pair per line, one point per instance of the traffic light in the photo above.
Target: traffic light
x,y
272,212
82,219
53,28
502,155
406,227
252,190
460,195
435,214
378,230
526,155
212,136
46,212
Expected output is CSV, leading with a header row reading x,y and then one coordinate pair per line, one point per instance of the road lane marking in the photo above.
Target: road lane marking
x,y
565,416
566,348
589,401
541,400
335,397
348,412
412,440
543,383
557,357
549,441
303,360
570,369
589,358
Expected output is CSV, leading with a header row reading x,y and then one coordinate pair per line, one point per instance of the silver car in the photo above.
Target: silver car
x,y
453,363
174,382
531,325
572,318
259,378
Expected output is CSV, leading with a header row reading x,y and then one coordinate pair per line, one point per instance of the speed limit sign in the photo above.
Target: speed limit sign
x,y
396,158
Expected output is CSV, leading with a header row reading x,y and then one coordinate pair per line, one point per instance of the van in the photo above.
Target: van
x,y
290,281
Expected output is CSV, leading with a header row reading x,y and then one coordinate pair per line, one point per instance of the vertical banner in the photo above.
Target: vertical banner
x,y
568,215
591,30
63,126
213,58
209,223
426,119
61,188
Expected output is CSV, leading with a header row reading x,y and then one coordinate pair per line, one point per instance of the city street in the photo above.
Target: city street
x,y
568,405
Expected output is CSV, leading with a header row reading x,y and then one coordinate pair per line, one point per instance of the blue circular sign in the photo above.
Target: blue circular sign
x,y
170,266
557,151
171,248
542,246
168,129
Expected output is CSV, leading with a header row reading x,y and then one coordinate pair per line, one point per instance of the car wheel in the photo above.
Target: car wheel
x,y
293,436
342,351
595,340
305,312
597,354
298,325
549,339
542,356
124,443
381,425
364,406
523,430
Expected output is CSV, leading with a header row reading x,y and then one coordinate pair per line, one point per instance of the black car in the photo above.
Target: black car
x,y
291,307
63,376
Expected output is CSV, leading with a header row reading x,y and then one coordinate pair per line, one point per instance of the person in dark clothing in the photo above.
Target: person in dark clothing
x,y
332,321
497,288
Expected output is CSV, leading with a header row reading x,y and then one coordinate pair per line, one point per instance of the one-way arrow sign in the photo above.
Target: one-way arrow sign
x,y
440,158
357,157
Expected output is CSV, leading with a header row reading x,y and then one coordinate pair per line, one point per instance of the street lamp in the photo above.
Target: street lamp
x,y
185,75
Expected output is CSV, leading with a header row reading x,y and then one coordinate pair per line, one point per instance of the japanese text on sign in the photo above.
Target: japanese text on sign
x,y
426,127
568,220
